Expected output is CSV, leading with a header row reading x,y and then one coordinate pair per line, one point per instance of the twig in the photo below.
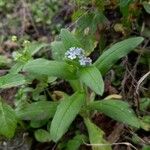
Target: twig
x,y
140,81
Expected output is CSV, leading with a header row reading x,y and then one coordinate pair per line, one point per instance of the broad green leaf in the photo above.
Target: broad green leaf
x,y
8,121
37,111
76,85
66,112
96,136
16,68
68,39
50,68
146,6
92,78
11,80
42,135
58,50
116,109
115,52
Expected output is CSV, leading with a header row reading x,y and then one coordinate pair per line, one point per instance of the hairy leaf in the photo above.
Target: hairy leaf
x,y
96,136
116,109
115,52
35,47
68,39
11,80
50,68
8,121
92,78
74,144
65,114
42,135
16,68
37,111
58,50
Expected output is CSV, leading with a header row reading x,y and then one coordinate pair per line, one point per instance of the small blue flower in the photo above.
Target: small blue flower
x,y
76,52
79,51
85,61
71,53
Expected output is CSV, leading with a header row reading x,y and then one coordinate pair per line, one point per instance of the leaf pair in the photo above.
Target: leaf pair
x,y
88,75
35,112
69,108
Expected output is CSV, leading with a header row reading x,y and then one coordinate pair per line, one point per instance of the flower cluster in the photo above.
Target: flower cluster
x,y
78,53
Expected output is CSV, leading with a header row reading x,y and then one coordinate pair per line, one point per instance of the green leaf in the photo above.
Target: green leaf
x,y
74,144
86,28
116,109
50,68
34,47
68,39
37,111
38,123
92,78
144,103
145,123
76,85
58,50
123,3
66,112
115,52
42,135
146,6
11,80
96,136
16,68
8,121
